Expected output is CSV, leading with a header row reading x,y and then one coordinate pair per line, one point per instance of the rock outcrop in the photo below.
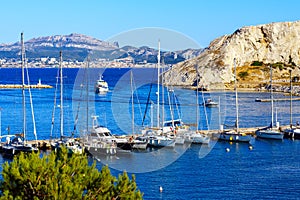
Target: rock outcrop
x,y
268,44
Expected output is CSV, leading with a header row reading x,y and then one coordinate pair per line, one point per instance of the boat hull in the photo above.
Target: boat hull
x,y
162,142
292,133
269,134
234,137
12,150
100,150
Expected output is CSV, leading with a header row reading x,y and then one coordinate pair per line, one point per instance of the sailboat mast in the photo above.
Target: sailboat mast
x,y
61,97
158,73
236,98
132,103
272,104
87,95
197,100
23,84
291,106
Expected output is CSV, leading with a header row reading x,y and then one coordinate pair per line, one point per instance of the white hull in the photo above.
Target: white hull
x,y
139,145
196,138
101,148
269,134
179,140
161,142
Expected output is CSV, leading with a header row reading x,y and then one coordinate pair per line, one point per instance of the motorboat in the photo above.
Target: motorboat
x,y
101,85
210,103
175,126
100,141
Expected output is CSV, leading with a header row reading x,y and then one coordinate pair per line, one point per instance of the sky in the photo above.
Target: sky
x,y
195,22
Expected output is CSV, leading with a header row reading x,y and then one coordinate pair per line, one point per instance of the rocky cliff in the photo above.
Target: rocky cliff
x,y
254,47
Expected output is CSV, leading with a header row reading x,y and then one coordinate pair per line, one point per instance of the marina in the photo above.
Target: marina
x,y
215,166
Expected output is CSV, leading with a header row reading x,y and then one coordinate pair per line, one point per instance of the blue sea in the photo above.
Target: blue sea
x,y
271,170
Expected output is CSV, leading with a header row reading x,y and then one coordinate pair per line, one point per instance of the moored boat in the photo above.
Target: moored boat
x,y
292,133
235,135
210,103
270,132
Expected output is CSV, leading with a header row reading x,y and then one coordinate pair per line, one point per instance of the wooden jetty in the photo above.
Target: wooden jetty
x,y
281,99
19,86
45,144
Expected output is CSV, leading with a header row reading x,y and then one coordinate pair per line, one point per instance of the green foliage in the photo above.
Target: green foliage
x,y
61,176
243,74
279,65
257,63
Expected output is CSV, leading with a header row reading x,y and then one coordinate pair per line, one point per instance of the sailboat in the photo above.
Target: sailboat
x,y
270,132
155,135
69,142
18,143
235,135
196,137
292,132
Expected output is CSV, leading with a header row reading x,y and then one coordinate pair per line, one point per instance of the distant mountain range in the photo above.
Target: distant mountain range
x,y
77,47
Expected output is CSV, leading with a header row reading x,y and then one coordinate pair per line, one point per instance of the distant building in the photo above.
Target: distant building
x,y
44,60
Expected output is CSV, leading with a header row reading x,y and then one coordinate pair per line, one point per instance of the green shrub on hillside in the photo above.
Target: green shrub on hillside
x,y
243,75
257,63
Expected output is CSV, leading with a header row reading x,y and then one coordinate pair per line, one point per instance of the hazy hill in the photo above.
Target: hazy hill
x,y
77,46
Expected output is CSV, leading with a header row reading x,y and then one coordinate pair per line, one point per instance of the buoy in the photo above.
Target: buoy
x,y
250,147
227,149
160,189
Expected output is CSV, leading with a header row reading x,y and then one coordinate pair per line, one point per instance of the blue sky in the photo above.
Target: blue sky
x,y
199,20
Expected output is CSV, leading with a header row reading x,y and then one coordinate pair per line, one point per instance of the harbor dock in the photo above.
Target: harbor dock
x,y
281,99
19,86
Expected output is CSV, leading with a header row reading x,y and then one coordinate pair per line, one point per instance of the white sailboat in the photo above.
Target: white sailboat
x,y
68,141
235,135
19,143
270,132
133,142
291,132
155,135
196,137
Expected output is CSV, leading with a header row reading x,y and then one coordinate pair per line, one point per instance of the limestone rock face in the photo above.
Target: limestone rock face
x,y
269,43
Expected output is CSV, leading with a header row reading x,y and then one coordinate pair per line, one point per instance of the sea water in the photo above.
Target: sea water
x,y
270,170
